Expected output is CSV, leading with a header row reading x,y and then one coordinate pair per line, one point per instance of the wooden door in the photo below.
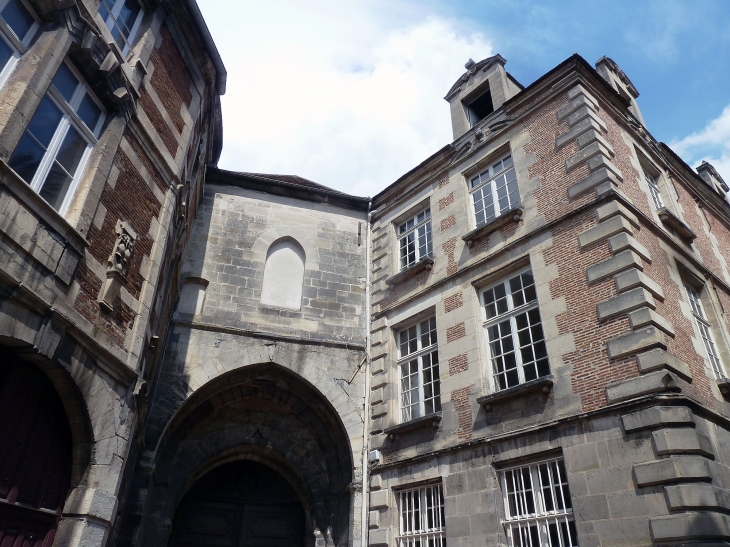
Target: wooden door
x,y
35,455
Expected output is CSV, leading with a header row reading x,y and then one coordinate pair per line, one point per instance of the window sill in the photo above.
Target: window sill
x,y
670,219
429,420
724,385
508,217
543,384
416,268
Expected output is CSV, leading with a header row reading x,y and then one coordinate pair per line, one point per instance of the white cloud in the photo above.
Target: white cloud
x,y
711,144
349,95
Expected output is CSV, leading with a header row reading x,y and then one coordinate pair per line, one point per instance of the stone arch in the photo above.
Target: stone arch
x,y
284,274
263,412
265,240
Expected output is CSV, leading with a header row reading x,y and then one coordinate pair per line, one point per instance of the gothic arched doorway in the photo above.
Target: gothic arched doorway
x,y
35,455
239,504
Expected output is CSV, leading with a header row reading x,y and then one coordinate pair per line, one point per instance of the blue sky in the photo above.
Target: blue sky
x,y
350,94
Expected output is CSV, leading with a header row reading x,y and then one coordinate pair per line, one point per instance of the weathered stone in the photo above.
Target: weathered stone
x,y
591,181
675,469
618,263
661,359
690,526
604,230
688,497
681,441
655,382
638,341
657,416
633,278
624,241
646,316
624,303
615,207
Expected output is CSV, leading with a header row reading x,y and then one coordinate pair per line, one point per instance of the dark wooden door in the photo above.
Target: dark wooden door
x,y
35,455
242,504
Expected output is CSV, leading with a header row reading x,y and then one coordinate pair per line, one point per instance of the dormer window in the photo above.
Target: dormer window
x,y
480,108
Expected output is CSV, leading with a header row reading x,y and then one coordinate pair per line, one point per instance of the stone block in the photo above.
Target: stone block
x,y
583,127
593,135
93,503
67,265
379,499
655,382
624,303
376,482
575,104
602,162
657,416
621,242
604,230
690,526
657,359
630,279
645,316
675,469
591,181
618,263
379,537
374,519
591,507
586,154
613,208
585,112
636,342
686,497
683,440
458,526
579,90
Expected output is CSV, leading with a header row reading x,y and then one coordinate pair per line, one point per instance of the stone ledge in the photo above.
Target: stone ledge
x,y
429,420
576,131
591,181
675,469
630,279
578,102
613,208
682,441
674,222
657,416
686,497
656,382
624,303
543,384
585,154
690,526
657,359
723,384
583,112
414,269
512,215
621,242
645,316
604,230
616,264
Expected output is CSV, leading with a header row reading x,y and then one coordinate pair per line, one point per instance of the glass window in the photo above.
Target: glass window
x,y
17,29
418,362
414,237
122,18
515,338
537,506
653,184
51,154
703,325
494,191
422,522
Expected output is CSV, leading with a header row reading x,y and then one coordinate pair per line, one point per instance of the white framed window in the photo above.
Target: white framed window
x,y
703,325
653,184
418,363
422,522
515,339
18,26
122,18
414,239
537,506
53,151
494,190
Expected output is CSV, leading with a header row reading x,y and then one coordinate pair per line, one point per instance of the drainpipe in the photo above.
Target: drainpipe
x,y
366,414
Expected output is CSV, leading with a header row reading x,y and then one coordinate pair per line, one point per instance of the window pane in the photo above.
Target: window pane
x,y
26,157
65,82
45,121
18,18
6,53
127,16
104,10
89,112
71,150
56,185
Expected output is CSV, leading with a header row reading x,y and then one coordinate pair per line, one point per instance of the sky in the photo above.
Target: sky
x,y
349,94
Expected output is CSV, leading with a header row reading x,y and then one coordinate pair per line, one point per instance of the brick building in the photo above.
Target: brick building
x,y
522,341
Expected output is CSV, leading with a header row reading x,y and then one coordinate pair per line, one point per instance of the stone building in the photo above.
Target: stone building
x,y
522,341
109,113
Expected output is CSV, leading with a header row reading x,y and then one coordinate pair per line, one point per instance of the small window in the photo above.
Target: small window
x,y
122,18
422,522
705,328
480,108
284,275
653,183
537,505
494,191
53,151
414,237
17,29
515,339
418,362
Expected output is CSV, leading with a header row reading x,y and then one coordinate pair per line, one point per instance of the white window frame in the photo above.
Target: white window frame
x,y
705,329
111,21
526,510
68,119
656,194
422,231
486,183
19,45
511,314
421,517
417,378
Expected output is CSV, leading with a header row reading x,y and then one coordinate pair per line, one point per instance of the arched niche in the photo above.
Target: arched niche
x,y
284,274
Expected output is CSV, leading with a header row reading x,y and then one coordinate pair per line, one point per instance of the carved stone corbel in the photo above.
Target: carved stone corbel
x,y
118,264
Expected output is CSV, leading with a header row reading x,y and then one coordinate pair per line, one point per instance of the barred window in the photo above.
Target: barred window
x,y
18,26
515,338
122,18
418,362
414,237
494,191
703,325
537,505
422,517
653,184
